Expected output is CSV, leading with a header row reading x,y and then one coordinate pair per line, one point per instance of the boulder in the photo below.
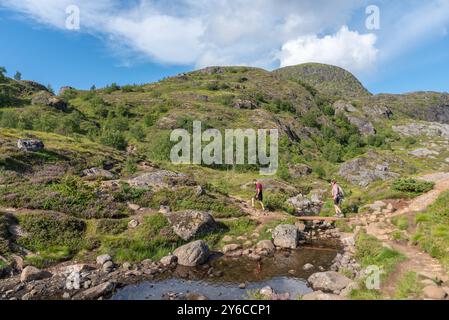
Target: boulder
x,y
32,145
98,173
329,281
103,259
286,236
434,292
320,295
189,224
308,267
96,292
192,254
168,260
266,245
231,248
305,207
267,291
159,179
31,273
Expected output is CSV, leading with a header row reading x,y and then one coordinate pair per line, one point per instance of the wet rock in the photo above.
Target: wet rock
x,y
242,286
192,254
196,297
32,145
266,245
267,291
96,292
320,295
108,266
308,267
103,259
31,273
190,224
169,260
435,293
329,281
126,266
231,248
286,236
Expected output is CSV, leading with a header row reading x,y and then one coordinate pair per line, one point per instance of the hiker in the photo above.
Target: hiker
x,y
259,195
338,196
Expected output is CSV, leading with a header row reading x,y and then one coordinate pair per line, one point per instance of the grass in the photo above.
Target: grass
x,y
255,295
370,252
432,233
401,222
408,287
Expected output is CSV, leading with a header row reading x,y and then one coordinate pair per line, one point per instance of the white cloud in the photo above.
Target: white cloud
x,y
199,32
347,49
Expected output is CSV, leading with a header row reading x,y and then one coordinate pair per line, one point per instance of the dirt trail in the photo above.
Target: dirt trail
x,y
416,260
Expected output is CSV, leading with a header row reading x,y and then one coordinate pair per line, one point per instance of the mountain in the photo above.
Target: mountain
x,y
330,80
106,156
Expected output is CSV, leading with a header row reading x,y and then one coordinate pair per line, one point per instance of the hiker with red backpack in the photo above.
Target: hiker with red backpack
x,y
259,194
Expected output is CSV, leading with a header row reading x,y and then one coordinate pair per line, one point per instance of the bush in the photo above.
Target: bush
x,y
114,139
46,230
412,186
275,201
111,226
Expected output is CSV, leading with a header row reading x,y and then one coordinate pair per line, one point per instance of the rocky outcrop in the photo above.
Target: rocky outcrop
x,y
32,145
365,127
286,236
423,153
429,129
192,254
245,104
365,170
159,179
329,281
190,224
299,170
47,99
304,207
98,173
94,293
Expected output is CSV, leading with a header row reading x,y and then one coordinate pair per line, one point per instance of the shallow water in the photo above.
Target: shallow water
x,y
283,272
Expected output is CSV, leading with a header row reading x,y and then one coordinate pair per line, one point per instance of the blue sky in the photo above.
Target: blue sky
x,y
142,41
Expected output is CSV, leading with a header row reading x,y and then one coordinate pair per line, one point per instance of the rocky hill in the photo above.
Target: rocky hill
x,y
331,80
97,161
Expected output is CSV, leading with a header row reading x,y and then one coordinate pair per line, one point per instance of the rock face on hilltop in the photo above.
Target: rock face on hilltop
x,y
331,80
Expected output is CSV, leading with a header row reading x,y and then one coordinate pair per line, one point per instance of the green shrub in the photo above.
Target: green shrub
x,y
110,226
47,230
412,186
275,201
114,139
